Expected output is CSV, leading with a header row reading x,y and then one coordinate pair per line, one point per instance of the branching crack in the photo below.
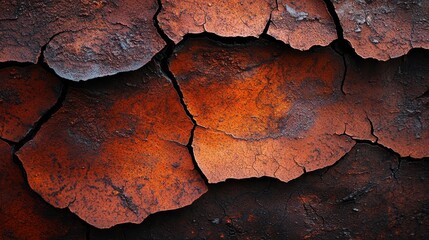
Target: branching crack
x,y
163,60
168,74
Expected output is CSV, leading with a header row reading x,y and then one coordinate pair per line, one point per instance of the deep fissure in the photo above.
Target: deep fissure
x,y
164,56
331,9
43,119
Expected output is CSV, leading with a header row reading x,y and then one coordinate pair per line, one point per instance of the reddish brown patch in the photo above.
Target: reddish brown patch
x,y
115,152
263,109
23,214
394,95
227,18
88,38
384,29
26,93
302,24
364,196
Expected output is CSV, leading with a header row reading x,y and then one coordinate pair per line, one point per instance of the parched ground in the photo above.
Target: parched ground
x,y
259,119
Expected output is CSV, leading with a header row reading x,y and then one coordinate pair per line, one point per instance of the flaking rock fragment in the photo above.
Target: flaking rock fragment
x,y
116,151
264,109
85,39
23,214
384,29
302,24
394,95
363,196
227,18
26,94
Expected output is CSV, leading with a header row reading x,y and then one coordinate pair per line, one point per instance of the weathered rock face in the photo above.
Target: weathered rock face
x,y
26,94
263,110
394,96
302,24
225,18
23,214
384,29
85,39
116,151
365,195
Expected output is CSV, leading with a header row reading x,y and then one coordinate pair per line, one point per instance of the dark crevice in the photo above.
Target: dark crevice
x,y
265,32
162,58
41,58
11,143
396,165
331,10
43,119
166,70
345,70
15,64
158,28
217,38
342,48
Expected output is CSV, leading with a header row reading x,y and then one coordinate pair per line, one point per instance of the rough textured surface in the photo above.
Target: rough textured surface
x,y
227,18
23,214
263,109
115,152
384,29
302,24
26,93
85,39
394,95
266,110
363,196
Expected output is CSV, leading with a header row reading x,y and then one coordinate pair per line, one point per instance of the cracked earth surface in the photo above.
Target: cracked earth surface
x,y
204,92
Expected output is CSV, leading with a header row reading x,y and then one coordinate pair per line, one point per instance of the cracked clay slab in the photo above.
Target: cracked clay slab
x,y
26,94
264,109
302,24
116,151
395,97
23,214
226,18
364,196
384,29
84,39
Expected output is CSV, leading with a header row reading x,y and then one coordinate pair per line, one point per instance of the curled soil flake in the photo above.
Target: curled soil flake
x,y
116,151
263,109
302,24
384,29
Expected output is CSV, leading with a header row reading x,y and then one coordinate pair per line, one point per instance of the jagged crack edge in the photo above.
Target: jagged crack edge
x,y
158,28
165,70
331,9
162,58
43,119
